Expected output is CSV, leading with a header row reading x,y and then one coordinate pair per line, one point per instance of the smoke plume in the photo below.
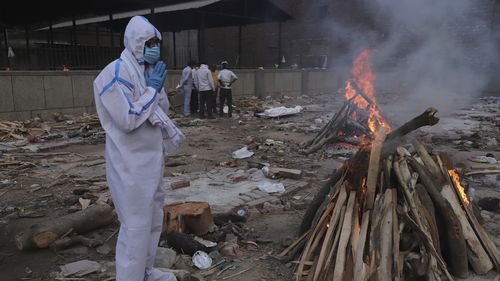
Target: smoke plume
x,y
426,52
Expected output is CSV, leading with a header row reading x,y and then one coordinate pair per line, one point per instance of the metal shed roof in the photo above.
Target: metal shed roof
x,y
167,15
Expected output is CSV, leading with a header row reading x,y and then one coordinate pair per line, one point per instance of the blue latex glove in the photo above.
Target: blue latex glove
x,y
156,78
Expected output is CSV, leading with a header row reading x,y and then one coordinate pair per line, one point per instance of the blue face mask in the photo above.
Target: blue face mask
x,y
152,55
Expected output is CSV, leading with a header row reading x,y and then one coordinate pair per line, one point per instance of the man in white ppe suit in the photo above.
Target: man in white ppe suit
x,y
132,107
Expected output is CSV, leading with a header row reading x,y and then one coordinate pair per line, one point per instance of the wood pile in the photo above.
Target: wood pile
x,y
17,130
393,212
12,130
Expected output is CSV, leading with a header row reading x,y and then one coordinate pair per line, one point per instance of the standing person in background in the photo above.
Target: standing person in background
x,y
226,78
195,102
187,86
205,85
215,73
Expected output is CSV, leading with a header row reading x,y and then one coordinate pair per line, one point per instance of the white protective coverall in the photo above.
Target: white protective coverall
x,y
134,154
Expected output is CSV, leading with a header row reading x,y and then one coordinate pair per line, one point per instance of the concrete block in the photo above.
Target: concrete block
x,y
259,83
288,83
58,91
28,92
83,90
6,98
269,84
245,86
15,115
90,109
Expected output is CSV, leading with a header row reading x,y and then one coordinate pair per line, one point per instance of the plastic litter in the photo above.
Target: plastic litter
x,y
270,187
483,159
202,260
242,153
280,111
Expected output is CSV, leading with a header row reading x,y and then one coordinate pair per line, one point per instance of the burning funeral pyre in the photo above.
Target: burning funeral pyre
x,y
359,117
393,211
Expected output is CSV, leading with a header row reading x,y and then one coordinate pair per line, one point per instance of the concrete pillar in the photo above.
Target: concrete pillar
x,y
259,83
201,38
173,48
304,88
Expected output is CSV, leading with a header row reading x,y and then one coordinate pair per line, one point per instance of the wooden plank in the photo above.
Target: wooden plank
x,y
317,227
373,168
328,269
359,265
476,255
418,222
332,226
396,237
385,267
294,244
482,172
344,239
481,233
427,159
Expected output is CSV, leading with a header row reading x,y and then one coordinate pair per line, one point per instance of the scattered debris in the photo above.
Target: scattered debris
x,y
180,184
206,243
165,258
280,111
242,153
483,159
202,260
80,268
275,173
66,242
270,187
103,249
239,178
85,203
489,204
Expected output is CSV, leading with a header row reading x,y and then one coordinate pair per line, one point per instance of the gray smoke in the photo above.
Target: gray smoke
x,y
426,52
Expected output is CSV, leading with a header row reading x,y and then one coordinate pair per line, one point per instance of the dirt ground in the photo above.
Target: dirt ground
x,y
49,188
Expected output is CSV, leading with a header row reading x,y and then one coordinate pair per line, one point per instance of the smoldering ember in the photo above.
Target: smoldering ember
x,y
250,140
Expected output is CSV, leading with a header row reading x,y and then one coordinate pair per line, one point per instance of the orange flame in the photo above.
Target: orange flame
x,y
364,77
456,180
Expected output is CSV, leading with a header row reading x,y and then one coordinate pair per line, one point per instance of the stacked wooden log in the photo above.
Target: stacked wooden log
x,y
392,212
